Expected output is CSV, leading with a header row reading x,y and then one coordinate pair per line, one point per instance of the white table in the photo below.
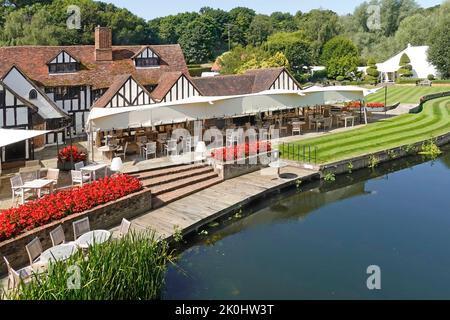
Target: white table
x,y
36,186
108,151
278,164
92,168
349,118
58,253
91,237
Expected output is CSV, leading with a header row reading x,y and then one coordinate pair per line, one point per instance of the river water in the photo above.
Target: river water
x,y
317,242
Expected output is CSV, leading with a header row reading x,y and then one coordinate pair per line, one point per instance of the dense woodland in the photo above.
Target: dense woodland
x,y
318,37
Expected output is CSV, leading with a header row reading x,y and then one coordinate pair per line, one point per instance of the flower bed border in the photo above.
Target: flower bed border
x,y
103,216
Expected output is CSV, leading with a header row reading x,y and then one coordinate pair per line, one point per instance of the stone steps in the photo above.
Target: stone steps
x,y
155,173
159,180
181,183
175,182
168,197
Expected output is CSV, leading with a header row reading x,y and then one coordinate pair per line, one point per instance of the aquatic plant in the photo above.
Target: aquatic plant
x,y
132,268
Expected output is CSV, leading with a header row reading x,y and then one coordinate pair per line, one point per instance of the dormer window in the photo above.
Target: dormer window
x,y
32,95
63,63
146,58
147,62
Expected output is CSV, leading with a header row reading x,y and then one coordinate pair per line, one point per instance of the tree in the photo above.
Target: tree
x,y
414,30
320,26
264,61
344,66
284,22
405,70
338,47
232,60
199,39
240,19
438,53
341,57
260,28
295,46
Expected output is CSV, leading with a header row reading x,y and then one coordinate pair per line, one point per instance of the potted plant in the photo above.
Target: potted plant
x,y
68,156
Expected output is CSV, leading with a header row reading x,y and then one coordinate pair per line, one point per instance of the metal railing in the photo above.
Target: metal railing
x,y
303,153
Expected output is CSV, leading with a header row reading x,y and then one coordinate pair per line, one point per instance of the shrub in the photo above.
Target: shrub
x,y
430,77
340,78
430,149
132,268
329,177
59,205
197,71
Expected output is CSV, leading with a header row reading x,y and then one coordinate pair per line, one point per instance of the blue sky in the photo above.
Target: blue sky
x,y
149,9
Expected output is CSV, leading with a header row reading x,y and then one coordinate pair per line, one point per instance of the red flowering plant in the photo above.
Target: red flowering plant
x,y
56,206
241,151
71,152
375,105
354,104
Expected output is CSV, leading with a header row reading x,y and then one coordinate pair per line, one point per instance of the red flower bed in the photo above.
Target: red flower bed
x,y
236,152
59,205
67,153
354,104
375,105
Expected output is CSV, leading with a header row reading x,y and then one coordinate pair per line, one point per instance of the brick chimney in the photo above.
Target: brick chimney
x,y
103,44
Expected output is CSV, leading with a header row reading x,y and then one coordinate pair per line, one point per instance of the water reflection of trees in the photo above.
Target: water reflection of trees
x,y
298,203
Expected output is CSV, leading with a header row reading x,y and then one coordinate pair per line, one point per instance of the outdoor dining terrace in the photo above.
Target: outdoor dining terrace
x,y
143,143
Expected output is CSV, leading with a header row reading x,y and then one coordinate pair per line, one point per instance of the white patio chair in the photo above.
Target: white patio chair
x,y
80,227
79,178
149,149
17,190
28,175
34,250
32,163
162,136
171,146
231,138
327,123
57,236
311,123
53,175
296,128
122,152
123,229
15,277
79,165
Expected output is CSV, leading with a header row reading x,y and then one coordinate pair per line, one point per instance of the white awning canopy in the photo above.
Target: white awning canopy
x,y
200,108
11,136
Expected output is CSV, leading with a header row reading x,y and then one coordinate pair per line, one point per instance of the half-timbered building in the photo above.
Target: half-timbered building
x,y
17,113
253,81
75,77
124,92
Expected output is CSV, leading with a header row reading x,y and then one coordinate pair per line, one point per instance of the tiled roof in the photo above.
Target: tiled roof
x,y
47,108
118,82
33,61
166,82
252,81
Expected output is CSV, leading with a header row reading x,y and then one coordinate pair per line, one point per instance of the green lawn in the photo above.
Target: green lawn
x,y
434,120
403,94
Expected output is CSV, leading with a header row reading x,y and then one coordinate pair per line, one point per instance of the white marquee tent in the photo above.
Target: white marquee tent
x,y
11,136
199,108
418,55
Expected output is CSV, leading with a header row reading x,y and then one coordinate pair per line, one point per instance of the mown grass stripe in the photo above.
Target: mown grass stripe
x,y
433,120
